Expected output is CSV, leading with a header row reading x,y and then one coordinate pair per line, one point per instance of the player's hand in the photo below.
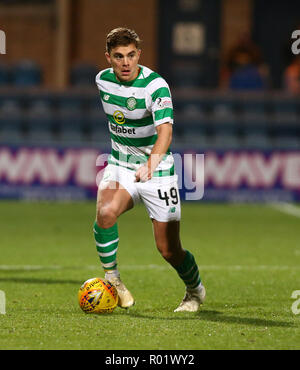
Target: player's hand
x,y
143,174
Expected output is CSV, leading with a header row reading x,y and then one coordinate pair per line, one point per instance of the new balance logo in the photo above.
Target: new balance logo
x,y
2,42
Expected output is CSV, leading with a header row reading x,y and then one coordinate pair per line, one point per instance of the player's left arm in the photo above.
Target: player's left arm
x,y
162,144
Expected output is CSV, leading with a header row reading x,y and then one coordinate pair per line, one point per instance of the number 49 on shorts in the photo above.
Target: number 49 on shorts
x,y
171,197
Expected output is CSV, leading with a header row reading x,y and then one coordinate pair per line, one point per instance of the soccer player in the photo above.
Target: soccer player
x,y
138,105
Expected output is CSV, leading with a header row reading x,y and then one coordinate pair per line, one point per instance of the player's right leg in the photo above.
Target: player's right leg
x,y
112,200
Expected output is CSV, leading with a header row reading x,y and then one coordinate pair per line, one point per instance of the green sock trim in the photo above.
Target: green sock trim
x,y
107,241
188,271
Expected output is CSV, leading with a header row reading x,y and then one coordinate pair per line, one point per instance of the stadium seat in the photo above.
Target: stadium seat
x,y
70,124
228,124
93,102
286,142
250,105
67,101
284,104
26,73
97,126
11,121
223,107
190,126
195,138
226,141
4,74
193,110
225,133
257,140
255,124
83,74
186,75
40,122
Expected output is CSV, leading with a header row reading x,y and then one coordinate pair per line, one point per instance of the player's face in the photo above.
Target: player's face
x,y
124,61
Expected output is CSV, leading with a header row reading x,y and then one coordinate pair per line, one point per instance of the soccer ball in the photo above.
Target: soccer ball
x,y
97,295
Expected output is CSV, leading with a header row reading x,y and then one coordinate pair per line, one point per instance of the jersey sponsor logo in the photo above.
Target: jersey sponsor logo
x,y
119,117
131,103
122,130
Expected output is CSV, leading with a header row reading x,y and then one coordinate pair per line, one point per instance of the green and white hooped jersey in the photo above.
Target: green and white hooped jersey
x,y
133,110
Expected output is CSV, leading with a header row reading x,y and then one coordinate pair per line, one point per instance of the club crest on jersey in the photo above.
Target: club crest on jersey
x,y
131,103
119,117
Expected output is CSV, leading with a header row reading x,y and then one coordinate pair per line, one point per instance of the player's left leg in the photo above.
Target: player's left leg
x,y
167,238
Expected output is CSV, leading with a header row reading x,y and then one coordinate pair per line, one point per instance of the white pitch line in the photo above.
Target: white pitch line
x,y
149,267
287,208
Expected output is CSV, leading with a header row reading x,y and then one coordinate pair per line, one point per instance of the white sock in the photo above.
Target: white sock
x,y
197,289
112,273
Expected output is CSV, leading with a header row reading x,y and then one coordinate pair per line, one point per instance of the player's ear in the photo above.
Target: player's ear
x,y
108,57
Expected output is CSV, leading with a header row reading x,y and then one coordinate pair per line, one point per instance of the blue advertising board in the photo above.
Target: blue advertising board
x,y
53,173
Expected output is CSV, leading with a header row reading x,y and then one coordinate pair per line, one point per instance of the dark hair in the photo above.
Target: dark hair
x,y
122,36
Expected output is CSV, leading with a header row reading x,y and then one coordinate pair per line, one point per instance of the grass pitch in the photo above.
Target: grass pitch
x,y
248,257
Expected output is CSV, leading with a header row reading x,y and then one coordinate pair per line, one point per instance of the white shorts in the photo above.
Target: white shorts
x,y
160,195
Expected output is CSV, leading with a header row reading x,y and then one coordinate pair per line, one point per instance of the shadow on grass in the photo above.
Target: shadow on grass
x,y
202,315
217,316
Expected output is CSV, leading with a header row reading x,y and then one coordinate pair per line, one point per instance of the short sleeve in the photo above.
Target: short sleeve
x,y
161,104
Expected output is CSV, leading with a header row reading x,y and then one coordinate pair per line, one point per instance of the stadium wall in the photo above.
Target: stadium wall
x,y
32,31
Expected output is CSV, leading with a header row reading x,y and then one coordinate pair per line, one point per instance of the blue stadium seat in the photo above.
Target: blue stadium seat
x,y
225,133
229,125
186,75
198,137
285,125
97,124
192,110
4,74
26,73
223,106
11,121
190,127
284,105
257,140
250,106
286,142
255,124
67,101
83,74
40,122
70,122
226,141
94,102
